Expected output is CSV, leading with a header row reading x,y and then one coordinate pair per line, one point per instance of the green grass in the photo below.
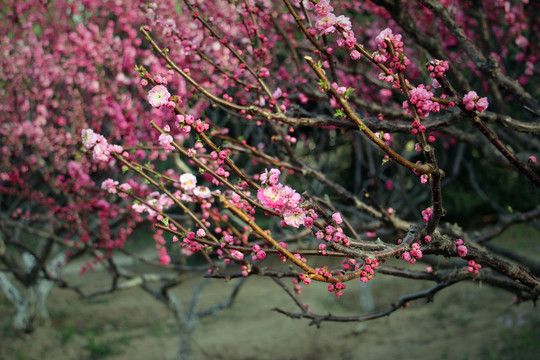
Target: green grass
x,y
518,342
522,238
99,349
20,355
67,333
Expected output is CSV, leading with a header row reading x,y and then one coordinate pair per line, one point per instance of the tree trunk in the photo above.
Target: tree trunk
x,y
33,305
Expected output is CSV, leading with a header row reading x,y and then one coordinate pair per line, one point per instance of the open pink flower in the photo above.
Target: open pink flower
x,y
202,191
294,217
158,96
101,151
89,138
188,181
166,140
273,197
109,185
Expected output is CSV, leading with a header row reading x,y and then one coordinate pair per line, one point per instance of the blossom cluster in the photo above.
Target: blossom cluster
x,y
399,61
426,214
284,200
437,68
188,122
332,233
101,148
472,101
327,22
413,255
420,98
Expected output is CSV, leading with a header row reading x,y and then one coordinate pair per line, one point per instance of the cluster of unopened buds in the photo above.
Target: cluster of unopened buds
x,y
332,233
473,267
306,280
399,61
426,214
413,255
187,122
437,68
369,270
421,99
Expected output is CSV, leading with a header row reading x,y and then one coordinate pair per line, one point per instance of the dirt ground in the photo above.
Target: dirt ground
x,y
467,321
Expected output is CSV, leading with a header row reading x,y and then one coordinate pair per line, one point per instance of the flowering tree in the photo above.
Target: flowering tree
x,y
340,133
64,67
373,118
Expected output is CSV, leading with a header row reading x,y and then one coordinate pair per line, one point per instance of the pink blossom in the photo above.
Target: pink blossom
x,y
271,177
188,181
89,138
272,197
164,258
420,98
522,42
279,197
201,233
469,98
261,254
355,55
237,255
426,214
158,96
380,39
101,151
202,191
406,256
109,185
337,218
323,8
482,104
344,23
326,24
165,140
472,101
113,148
294,217
462,250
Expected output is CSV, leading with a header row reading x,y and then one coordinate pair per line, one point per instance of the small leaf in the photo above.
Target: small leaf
x,y
349,92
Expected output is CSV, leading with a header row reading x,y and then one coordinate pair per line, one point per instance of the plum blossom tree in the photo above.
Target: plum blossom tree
x,y
65,66
368,130
377,114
